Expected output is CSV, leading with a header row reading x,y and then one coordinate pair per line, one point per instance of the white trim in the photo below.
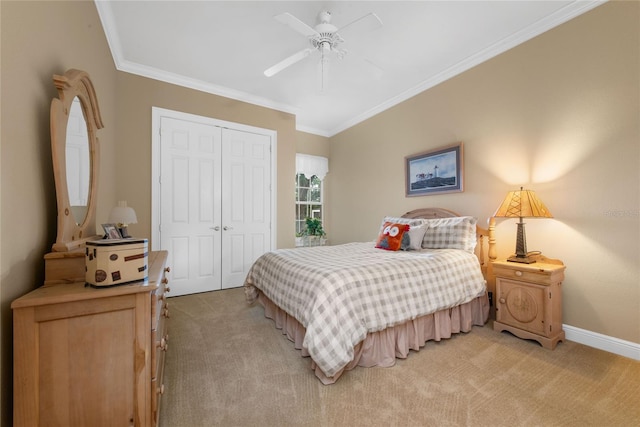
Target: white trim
x,y
602,342
570,11
549,22
156,115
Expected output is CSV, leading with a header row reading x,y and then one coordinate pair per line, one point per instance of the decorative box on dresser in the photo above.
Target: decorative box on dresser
x,y
529,300
91,357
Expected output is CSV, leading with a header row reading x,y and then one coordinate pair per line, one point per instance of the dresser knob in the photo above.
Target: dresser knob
x,y
502,300
160,390
165,280
518,273
167,269
162,345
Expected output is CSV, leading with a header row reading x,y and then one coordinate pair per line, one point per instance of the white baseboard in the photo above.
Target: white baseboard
x,y
603,342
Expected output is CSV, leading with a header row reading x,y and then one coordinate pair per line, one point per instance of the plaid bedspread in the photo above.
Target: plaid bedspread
x,y
340,293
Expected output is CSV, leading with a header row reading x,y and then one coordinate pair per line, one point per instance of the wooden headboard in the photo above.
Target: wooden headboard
x,y
481,235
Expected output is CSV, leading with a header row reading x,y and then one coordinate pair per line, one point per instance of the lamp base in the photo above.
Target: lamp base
x,y
521,259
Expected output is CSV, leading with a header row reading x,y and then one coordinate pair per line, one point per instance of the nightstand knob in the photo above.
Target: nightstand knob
x,y
518,273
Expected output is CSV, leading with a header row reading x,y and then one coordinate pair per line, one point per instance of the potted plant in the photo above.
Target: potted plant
x,y
313,234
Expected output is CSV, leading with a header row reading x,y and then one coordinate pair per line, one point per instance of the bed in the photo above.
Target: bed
x,y
366,304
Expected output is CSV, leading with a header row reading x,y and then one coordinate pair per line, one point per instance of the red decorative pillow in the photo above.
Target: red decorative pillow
x,y
390,237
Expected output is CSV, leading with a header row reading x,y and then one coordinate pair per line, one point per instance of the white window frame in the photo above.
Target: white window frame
x,y
310,166
307,202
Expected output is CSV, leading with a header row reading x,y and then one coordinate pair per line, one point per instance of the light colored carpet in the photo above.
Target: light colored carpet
x,y
227,365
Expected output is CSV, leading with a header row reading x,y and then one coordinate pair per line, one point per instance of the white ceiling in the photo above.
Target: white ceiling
x,y
223,47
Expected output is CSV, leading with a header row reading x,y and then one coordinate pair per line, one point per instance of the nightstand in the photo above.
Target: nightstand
x,y
529,300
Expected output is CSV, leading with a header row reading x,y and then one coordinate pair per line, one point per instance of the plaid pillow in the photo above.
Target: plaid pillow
x,y
451,233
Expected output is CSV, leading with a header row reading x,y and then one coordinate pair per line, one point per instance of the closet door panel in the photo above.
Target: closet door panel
x,y
191,191
246,209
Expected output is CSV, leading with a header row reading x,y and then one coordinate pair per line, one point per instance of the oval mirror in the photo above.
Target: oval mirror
x,y
75,119
77,162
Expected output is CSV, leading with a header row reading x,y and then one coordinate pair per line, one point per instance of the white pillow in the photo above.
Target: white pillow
x,y
412,239
451,233
400,220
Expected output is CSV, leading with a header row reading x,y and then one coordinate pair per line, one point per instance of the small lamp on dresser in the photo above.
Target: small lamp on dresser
x,y
123,215
522,204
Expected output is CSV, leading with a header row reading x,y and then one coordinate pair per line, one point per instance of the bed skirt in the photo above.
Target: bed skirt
x,y
383,347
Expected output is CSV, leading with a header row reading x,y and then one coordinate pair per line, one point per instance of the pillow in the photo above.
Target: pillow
x,y
391,236
412,239
451,233
399,220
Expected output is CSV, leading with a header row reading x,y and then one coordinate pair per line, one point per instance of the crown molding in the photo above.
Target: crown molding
x,y
559,17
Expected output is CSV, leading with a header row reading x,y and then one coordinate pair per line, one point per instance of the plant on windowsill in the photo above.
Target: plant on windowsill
x,y
313,234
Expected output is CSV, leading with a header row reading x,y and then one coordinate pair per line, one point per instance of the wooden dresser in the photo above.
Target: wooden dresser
x,y
91,357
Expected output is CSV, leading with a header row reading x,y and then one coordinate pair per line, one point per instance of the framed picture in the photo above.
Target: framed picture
x,y
434,172
111,231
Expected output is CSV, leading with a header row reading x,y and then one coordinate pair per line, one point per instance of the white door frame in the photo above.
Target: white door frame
x,y
156,115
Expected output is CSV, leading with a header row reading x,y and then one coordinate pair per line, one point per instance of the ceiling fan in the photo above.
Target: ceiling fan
x,y
324,38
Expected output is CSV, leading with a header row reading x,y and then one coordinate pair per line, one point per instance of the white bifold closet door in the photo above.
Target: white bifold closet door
x,y
215,215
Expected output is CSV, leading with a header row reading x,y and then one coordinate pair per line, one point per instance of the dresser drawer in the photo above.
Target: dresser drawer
x,y
160,339
158,300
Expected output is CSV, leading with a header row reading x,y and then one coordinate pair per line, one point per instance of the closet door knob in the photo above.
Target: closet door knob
x,y
227,227
216,228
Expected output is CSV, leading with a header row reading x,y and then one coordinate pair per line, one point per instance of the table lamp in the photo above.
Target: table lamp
x,y
123,215
520,204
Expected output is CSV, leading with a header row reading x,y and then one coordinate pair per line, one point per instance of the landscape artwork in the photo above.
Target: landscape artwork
x,y
434,172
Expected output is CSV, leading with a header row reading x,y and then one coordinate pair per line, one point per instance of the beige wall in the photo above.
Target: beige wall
x,y
39,39
315,145
136,96
559,115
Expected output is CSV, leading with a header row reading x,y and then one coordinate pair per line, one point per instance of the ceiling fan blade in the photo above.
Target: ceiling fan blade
x,y
374,69
288,62
368,22
296,24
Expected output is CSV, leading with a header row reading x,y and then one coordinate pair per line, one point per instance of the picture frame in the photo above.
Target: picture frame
x,y
435,172
111,231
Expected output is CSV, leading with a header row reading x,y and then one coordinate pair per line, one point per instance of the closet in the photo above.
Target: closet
x,y
213,200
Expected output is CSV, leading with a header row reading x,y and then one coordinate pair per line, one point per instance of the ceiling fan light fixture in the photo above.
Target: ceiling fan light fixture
x,y
323,72
324,38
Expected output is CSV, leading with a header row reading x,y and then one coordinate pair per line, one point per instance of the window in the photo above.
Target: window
x,y
308,200
310,171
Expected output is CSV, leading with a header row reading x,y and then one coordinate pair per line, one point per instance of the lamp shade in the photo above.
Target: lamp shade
x,y
522,204
123,214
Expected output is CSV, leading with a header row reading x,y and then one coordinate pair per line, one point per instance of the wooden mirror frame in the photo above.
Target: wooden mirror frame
x,y
74,83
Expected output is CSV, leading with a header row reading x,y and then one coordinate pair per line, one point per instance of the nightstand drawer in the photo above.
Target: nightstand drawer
x,y
539,274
